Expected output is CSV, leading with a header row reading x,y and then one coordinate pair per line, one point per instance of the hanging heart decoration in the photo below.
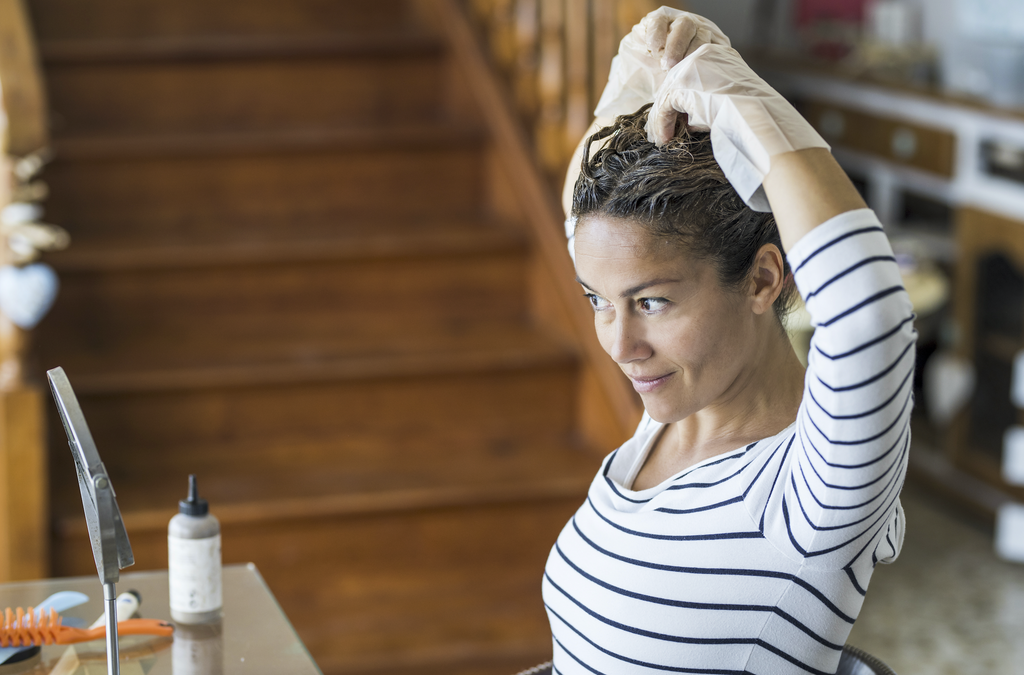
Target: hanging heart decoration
x,y
27,293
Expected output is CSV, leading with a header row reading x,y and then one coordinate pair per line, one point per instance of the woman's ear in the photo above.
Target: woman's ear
x,y
768,274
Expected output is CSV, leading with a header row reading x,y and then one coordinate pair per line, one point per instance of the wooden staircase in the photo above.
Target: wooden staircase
x,y
301,269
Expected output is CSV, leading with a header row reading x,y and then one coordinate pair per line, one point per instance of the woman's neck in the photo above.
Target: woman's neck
x,y
762,401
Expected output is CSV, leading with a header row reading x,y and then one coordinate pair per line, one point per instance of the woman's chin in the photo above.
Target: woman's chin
x,y
661,410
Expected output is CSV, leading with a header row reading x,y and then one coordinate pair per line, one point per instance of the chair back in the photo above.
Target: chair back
x,y
856,661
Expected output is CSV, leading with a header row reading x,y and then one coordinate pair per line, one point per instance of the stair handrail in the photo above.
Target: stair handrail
x,y
27,289
538,197
555,55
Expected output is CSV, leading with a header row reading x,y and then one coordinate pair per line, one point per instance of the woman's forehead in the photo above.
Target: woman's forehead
x,y
614,254
607,236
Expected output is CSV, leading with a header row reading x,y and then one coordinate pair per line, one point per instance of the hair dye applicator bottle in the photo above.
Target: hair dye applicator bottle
x,y
193,560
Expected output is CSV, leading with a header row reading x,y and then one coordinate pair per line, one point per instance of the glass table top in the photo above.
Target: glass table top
x,y
254,636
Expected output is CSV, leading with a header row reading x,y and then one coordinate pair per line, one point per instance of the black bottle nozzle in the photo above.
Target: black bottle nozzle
x,y
193,506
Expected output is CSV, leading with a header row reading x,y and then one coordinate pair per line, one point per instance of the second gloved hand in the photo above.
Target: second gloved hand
x,y
749,121
662,39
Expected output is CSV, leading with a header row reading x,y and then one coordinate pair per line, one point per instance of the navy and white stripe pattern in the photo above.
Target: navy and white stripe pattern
x,y
756,561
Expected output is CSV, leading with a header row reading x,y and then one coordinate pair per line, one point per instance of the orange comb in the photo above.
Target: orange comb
x,y
20,628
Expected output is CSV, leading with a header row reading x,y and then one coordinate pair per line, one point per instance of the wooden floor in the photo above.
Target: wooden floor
x,y
288,276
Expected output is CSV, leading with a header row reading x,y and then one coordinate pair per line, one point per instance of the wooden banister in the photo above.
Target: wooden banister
x,y
579,99
556,55
549,133
524,74
539,203
24,517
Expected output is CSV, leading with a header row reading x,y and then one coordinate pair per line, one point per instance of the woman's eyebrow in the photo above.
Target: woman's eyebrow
x,y
647,284
635,289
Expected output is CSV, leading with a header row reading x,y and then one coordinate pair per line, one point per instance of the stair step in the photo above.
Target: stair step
x,y
356,472
288,494
256,240
446,586
394,593
403,41
412,136
283,318
114,19
204,84
509,393
390,172
258,366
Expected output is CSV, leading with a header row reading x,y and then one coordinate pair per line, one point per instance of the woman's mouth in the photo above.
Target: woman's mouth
x,y
645,385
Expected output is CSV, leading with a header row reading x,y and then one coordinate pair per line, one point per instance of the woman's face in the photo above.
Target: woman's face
x,y
682,338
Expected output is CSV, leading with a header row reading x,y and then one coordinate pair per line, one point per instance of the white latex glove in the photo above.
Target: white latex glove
x,y
749,121
662,39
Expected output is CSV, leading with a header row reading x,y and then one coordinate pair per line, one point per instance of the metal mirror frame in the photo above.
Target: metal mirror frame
x,y
110,546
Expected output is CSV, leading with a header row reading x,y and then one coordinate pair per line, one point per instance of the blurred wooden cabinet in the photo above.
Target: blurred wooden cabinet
x,y
989,305
892,140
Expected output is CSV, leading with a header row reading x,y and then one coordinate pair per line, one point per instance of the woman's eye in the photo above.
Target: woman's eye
x,y
596,301
652,304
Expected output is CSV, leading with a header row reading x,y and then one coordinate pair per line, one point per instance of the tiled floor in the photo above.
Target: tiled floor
x,y
947,605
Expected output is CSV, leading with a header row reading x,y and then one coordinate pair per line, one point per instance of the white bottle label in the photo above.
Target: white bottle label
x,y
194,574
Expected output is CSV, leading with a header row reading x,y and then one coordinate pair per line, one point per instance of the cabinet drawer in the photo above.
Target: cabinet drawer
x,y
892,140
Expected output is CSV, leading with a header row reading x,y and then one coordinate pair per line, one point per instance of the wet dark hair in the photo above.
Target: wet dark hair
x,y
679,195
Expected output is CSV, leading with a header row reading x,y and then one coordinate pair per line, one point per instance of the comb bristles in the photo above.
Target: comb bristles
x,y
21,628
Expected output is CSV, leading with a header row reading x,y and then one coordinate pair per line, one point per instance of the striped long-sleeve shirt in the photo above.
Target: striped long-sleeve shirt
x,y
756,560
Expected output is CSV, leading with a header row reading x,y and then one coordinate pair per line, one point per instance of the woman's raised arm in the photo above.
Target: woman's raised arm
x,y
806,188
838,499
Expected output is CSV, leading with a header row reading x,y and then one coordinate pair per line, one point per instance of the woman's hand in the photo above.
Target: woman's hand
x,y
673,34
766,149
662,39
714,89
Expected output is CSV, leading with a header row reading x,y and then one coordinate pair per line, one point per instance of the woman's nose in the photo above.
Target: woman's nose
x,y
626,342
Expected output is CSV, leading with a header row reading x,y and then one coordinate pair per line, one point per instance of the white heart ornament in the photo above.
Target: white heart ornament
x,y
17,213
27,293
948,386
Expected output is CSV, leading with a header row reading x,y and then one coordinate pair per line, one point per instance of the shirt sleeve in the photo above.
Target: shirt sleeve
x,y
836,497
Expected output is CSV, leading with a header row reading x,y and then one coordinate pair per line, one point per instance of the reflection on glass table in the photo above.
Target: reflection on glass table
x,y
253,636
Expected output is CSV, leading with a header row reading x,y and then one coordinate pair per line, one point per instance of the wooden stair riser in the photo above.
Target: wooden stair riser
x,y
518,403
450,582
317,308
110,19
369,472
259,239
385,182
244,94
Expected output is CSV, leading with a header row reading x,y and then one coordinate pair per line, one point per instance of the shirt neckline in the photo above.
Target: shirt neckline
x,y
641,457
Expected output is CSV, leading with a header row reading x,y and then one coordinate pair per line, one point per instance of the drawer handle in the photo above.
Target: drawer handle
x,y
903,143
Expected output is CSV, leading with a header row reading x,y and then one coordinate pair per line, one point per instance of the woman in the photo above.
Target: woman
x,y
737,531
